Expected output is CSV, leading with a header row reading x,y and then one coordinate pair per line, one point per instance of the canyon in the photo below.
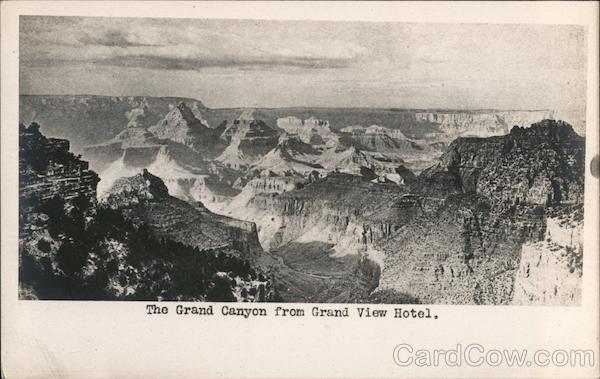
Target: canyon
x,y
488,123
100,118
338,205
134,242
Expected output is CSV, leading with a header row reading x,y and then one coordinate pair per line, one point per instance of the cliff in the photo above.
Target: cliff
x,y
132,245
462,251
377,138
99,118
89,119
391,145
550,270
491,239
188,174
339,207
358,162
322,233
340,210
291,156
248,140
242,234
269,182
459,233
135,143
481,123
537,165
181,125
312,130
144,198
47,169
294,157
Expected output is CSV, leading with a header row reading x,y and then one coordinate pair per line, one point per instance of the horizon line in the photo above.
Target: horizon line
x,y
399,108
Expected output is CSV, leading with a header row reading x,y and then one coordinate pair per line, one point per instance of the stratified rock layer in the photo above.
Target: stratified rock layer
x,y
550,270
537,165
137,243
47,169
145,198
455,233
248,140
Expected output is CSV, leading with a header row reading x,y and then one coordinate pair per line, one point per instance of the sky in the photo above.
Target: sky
x,y
249,63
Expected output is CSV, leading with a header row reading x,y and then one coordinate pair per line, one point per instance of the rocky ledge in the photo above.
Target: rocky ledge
x,y
542,164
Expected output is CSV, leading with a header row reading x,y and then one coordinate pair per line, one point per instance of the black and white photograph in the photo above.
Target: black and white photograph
x,y
300,161
298,189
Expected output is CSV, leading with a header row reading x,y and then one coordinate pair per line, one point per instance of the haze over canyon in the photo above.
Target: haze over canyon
x,y
170,199
301,161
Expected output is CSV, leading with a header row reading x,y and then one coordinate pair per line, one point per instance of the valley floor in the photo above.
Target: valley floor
x,y
310,272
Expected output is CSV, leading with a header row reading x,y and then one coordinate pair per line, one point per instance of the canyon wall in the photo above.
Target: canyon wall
x,y
88,119
349,212
460,241
462,252
550,270
47,169
145,198
312,130
136,243
537,165
481,123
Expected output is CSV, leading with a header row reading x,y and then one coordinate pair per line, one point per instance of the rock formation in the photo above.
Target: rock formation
x,y
497,198
146,199
550,270
390,145
137,243
100,118
248,140
90,120
187,172
291,156
47,169
481,123
377,138
181,125
312,131
538,165
422,206
456,233
135,144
